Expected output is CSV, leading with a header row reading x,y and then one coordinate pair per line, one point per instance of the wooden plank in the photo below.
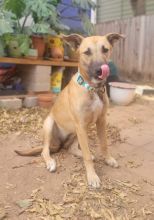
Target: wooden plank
x,y
26,61
14,96
142,47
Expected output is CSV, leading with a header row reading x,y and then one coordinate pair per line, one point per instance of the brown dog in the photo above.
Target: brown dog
x,y
82,102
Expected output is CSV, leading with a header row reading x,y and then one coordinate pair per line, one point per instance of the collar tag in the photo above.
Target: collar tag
x,y
81,82
80,79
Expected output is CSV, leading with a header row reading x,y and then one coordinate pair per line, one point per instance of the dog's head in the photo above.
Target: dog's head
x,y
94,55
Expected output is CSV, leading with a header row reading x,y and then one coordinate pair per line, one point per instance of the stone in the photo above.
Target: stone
x,y
30,101
13,103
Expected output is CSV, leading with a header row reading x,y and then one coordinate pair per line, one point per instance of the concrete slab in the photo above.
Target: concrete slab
x,y
13,103
30,101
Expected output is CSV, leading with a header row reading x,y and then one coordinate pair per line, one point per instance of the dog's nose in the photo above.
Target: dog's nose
x,y
99,72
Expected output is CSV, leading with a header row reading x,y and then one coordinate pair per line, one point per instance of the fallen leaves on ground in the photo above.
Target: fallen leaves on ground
x,y
113,201
30,121
135,120
133,164
3,213
24,203
26,120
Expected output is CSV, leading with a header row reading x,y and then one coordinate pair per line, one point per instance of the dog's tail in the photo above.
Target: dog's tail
x,y
31,152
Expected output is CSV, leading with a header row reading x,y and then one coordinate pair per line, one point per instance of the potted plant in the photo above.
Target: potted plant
x,y
38,18
5,28
47,21
17,43
41,12
37,14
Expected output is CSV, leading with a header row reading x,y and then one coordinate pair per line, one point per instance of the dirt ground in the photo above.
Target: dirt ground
x,y
29,191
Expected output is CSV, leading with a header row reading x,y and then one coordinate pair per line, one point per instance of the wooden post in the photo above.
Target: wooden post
x,y
141,44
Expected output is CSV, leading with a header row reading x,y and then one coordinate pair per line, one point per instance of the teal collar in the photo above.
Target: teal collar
x,y
83,83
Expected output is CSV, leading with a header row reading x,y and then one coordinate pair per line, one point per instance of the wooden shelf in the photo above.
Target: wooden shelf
x,y
26,61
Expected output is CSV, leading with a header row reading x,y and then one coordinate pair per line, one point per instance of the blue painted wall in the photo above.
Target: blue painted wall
x,y
67,11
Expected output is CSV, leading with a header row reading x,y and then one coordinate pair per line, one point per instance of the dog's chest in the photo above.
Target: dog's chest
x,y
96,103
94,107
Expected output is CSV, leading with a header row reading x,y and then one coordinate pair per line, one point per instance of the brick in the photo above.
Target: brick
x,y
30,101
35,78
38,87
13,103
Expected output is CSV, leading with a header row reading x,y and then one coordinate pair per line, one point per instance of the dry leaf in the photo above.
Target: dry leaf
x,y
24,203
3,214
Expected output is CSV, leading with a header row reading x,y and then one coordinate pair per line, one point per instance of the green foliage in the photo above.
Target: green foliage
x,y
84,4
45,18
44,14
15,6
7,22
5,27
42,9
2,51
41,28
87,26
17,45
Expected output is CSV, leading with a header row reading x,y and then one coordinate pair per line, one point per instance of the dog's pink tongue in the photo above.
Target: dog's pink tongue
x,y
105,71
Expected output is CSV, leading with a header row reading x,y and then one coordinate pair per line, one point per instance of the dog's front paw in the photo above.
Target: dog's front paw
x,y
111,162
93,180
51,165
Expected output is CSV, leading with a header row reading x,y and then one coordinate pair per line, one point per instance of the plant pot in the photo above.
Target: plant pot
x,y
39,44
32,54
55,46
17,45
46,99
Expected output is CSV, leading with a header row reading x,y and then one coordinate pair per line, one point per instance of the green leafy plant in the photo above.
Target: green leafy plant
x,y
84,4
17,45
45,19
6,26
6,22
41,11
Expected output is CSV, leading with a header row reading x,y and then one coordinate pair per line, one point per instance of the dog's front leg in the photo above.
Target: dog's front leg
x,y
93,179
102,137
48,130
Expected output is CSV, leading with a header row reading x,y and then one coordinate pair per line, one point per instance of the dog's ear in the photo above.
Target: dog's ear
x,y
114,37
72,39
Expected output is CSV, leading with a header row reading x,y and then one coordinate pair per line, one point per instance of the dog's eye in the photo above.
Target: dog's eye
x,y
88,52
104,49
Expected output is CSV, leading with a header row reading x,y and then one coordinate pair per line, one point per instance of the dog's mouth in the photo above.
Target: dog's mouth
x,y
103,72
100,75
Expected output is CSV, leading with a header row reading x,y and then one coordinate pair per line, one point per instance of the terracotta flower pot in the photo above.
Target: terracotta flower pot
x,y
39,44
46,99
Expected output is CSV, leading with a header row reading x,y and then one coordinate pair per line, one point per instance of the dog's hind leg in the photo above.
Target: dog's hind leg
x,y
48,136
74,149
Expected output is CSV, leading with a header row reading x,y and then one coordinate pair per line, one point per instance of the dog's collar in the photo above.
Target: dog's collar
x,y
83,83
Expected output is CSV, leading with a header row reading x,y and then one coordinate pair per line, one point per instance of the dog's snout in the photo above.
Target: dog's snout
x,y
98,72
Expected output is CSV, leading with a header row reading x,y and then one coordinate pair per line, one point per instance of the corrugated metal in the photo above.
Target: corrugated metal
x,y
109,10
126,9
149,7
